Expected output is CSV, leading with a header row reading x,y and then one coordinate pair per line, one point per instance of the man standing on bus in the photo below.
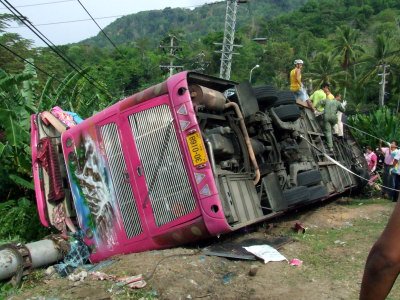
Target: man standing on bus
x,y
331,107
296,86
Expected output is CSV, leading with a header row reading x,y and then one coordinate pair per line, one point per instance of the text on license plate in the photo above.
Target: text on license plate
x,y
196,148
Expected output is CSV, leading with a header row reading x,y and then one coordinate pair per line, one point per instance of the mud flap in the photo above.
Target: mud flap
x,y
274,193
240,199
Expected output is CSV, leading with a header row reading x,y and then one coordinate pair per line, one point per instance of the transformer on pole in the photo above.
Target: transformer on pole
x,y
229,37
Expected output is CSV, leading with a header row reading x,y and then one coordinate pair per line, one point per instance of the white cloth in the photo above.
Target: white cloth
x,y
338,128
266,253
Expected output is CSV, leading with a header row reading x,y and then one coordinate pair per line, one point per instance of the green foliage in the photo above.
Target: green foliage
x,y
17,98
18,220
341,41
382,123
6,290
22,182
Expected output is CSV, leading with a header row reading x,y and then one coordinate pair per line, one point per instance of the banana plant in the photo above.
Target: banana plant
x,y
17,103
380,124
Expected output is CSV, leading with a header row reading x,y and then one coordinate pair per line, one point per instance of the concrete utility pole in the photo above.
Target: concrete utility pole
x,y
229,37
383,82
172,49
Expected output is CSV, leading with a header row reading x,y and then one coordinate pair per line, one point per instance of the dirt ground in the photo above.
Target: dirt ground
x,y
333,250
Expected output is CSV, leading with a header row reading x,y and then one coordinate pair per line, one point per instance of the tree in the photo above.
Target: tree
x,y
345,45
384,53
324,68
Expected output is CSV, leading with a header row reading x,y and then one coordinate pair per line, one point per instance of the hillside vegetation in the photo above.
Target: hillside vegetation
x,y
344,42
193,24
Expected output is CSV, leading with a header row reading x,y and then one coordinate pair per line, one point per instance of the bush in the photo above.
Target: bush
x,y
20,222
382,124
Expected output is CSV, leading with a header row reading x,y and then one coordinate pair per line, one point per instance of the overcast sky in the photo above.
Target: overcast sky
x,y
104,11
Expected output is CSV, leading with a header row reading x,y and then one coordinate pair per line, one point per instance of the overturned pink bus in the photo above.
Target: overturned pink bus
x,y
192,157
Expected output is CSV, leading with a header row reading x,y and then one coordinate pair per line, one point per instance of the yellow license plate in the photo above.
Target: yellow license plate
x,y
196,148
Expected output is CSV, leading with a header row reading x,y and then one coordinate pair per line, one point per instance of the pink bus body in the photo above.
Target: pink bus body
x,y
148,173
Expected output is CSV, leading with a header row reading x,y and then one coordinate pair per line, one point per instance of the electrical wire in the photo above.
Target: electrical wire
x,y
53,47
28,62
101,29
39,4
100,18
66,22
61,1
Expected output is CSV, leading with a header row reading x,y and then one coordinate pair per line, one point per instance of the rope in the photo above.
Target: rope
x,y
345,168
366,133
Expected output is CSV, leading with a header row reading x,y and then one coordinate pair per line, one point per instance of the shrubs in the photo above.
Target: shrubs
x,y
381,123
19,221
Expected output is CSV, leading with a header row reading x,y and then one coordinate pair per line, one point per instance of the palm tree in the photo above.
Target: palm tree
x,y
324,68
384,53
345,45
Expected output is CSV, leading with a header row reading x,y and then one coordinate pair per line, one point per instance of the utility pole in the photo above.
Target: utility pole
x,y
229,37
383,82
172,49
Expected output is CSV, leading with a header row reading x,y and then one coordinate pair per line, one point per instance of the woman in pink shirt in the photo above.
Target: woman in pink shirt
x,y
387,164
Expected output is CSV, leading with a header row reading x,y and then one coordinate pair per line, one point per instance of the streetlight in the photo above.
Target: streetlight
x,y
251,71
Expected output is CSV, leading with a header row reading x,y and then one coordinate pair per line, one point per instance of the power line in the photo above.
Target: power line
x,y
101,29
39,4
99,18
61,1
66,22
53,47
32,64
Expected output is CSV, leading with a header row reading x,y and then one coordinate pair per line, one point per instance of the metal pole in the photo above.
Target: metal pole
x,y
251,71
229,38
42,253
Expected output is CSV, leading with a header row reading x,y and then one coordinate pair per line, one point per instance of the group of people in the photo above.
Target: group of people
x,y
322,102
391,172
383,263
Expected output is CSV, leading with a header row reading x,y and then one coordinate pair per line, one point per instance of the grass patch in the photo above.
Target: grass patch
x,y
363,201
339,253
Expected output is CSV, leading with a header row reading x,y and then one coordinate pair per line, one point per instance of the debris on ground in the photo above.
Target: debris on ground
x,y
295,262
299,228
78,255
253,270
235,249
339,242
78,277
227,278
266,253
135,282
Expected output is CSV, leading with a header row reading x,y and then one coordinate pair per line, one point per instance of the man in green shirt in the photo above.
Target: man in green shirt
x,y
331,107
319,95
